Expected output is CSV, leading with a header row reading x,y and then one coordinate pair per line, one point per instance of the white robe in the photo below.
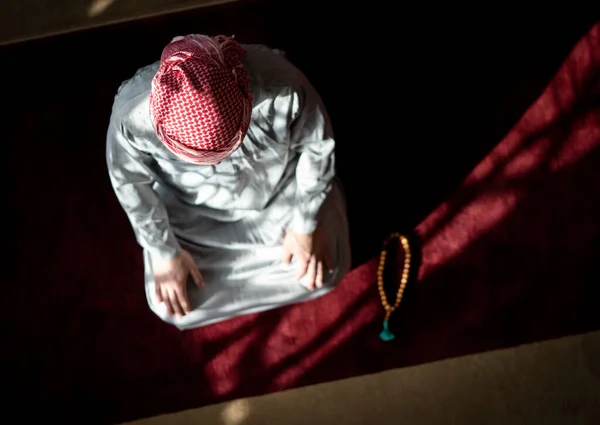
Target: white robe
x,y
232,216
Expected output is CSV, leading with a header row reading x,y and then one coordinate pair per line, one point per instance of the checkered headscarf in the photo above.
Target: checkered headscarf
x,y
200,102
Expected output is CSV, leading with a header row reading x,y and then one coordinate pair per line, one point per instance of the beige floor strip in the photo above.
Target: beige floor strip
x,y
553,382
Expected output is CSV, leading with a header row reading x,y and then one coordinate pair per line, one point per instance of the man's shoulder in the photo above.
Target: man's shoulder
x,y
137,87
131,101
131,109
269,70
275,82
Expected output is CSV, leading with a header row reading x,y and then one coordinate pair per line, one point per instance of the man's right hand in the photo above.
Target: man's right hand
x,y
170,277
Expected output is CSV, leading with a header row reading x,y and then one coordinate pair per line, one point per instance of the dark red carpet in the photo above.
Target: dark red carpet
x,y
510,257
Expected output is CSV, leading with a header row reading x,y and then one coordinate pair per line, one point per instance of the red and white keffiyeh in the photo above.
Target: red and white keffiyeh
x,y
200,102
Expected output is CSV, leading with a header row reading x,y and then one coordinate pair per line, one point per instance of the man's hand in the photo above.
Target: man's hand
x,y
310,253
170,278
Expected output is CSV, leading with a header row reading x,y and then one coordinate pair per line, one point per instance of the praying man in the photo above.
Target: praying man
x,y
222,157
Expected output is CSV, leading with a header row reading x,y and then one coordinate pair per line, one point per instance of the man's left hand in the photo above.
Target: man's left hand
x,y
310,252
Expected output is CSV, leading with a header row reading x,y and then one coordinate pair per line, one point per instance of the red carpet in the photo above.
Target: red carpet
x,y
511,257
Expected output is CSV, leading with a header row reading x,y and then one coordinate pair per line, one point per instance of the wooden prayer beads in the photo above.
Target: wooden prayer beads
x,y
385,334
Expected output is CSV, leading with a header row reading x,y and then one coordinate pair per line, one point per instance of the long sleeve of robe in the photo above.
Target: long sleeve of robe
x,y
312,139
232,216
132,176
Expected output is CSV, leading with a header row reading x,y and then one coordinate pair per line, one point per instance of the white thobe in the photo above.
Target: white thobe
x,y
232,216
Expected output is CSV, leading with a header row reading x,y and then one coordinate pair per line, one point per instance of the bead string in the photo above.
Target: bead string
x,y
385,334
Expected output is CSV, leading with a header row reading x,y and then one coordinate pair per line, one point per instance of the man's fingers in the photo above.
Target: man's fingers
x,y
197,276
193,271
286,256
167,301
311,273
301,267
175,304
182,298
319,278
159,298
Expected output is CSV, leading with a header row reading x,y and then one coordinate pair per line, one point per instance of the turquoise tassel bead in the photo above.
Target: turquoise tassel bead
x,y
385,334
